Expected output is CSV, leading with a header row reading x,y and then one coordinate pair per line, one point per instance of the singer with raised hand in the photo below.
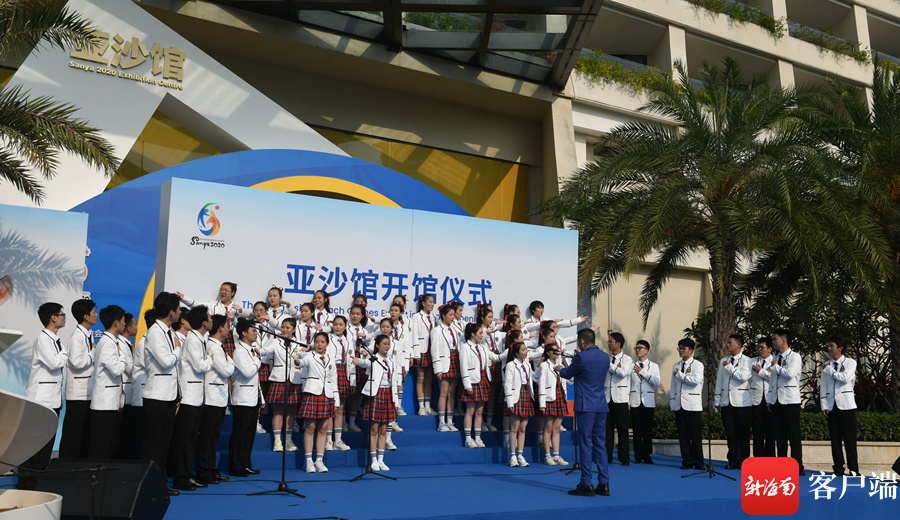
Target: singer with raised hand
x,y
589,368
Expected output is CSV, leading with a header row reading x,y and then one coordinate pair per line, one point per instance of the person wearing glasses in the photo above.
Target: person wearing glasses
x,y
618,388
644,382
839,405
762,422
685,400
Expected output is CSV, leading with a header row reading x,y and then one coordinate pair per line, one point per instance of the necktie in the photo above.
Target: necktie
x,y
308,333
453,336
396,334
322,359
341,341
58,345
835,366
732,360
682,367
642,364
430,323
171,341
319,317
779,359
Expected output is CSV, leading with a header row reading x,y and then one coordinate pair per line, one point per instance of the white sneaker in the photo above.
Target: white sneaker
x,y
549,460
352,427
452,427
443,428
320,467
341,445
259,428
560,461
383,466
470,443
401,412
513,462
562,428
389,445
506,443
396,427
479,442
522,462
432,412
375,466
422,411
276,446
310,467
329,446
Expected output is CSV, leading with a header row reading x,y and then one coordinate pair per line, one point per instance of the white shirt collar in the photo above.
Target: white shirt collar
x,y
52,335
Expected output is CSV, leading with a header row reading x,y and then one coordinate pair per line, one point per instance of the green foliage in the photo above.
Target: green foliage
x,y
743,13
832,42
451,22
639,78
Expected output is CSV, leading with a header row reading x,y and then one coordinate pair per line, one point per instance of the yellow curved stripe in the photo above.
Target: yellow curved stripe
x,y
286,185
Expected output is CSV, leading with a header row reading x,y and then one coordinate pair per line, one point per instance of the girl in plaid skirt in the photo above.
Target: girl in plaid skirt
x,y
517,377
341,349
474,362
552,402
444,345
492,341
282,393
319,399
360,333
422,324
381,405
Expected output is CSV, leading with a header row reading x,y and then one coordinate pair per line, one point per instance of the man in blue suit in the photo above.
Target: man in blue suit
x,y
589,369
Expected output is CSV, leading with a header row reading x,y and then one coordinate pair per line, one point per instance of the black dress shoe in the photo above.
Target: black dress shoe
x,y
239,473
732,466
252,471
582,490
687,466
700,466
626,463
603,490
197,483
221,478
648,460
207,480
172,492
187,485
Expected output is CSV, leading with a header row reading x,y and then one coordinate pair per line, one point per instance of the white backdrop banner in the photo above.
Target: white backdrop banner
x,y
213,233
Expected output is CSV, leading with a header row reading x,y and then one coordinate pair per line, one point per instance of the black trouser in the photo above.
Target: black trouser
x,y
617,419
737,432
131,430
73,439
211,419
763,423
243,433
104,433
159,421
642,432
842,427
787,429
184,441
39,461
690,436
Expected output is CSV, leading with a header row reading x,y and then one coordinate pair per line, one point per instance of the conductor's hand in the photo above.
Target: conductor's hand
x,y
557,367
180,295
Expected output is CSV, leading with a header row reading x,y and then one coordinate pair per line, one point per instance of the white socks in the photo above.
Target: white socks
x,y
308,457
380,456
337,434
319,457
477,433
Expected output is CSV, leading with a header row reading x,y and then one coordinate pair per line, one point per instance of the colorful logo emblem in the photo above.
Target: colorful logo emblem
x,y
207,221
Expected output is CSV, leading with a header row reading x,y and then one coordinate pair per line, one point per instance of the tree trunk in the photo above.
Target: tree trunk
x,y
724,316
893,397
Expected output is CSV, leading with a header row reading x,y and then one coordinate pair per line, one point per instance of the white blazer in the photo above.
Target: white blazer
x,y
109,365
759,381
81,365
687,386
470,366
279,314
305,333
217,307
733,383
273,354
618,378
323,318
48,358
215,381
160,362
784,379
547,379
138,372
245,379
194,364
837,385
128,375
402,340
376,370
512,381
644,385
317,376
442,342
341,349
421,325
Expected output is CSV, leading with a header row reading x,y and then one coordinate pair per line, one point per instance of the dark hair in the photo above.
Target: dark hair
x,y
82,308
511,354
766,341
361,295
378,339
482,312
46,312
587,336
264,304
340,317
513,336
737,337
510,320
232,286
398,306
402,297
542,335
618,338
292,321
111,314
129,318
327,303
839,342
470,330
323,334
276,288
197,315
507,309
389,322
445,310
534,305
365,317
218,321
149,317
547,348
310,306
642,342
784,333
243,325
164,303
421,301
687,342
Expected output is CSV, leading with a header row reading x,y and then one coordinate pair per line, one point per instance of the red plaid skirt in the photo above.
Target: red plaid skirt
x,y
264,371
525,406
481,392
362,375
557,408
228,344
423,361
278,391
454,364
314,406
343,382
380,409
496,368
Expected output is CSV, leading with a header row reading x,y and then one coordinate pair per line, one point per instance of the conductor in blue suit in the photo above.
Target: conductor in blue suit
x,y
589,369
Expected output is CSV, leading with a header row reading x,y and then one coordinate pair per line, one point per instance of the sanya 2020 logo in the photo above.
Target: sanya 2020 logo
x,y
207,221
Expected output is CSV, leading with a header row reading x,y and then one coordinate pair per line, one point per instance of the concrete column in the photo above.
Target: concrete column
x,y
775,8
671,48
782,74
560,156
855,26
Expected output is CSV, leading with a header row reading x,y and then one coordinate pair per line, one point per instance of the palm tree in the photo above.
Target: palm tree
x,y
33,131
737,176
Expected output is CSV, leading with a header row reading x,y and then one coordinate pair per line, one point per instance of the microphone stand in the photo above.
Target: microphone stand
x,y
282,486
367,469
